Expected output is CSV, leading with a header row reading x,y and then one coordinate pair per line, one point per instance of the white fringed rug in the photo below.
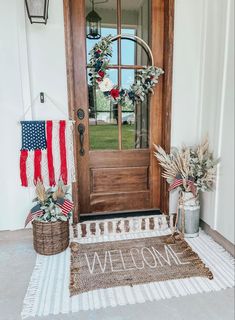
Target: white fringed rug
x,y
48,291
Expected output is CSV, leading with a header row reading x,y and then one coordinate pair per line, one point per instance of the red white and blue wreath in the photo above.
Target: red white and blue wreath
x,y
146,78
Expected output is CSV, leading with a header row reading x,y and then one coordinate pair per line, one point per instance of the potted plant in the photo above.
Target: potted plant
x,y
50,219
192,170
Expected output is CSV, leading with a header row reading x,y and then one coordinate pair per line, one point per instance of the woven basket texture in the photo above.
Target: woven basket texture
x,y
51,237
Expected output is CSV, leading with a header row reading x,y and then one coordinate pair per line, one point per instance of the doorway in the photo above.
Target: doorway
x,y
116,168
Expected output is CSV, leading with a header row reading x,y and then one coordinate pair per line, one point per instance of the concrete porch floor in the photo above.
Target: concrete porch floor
x,y
17,259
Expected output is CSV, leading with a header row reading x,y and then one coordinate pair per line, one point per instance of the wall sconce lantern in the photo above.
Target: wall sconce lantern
x,y
93,21
37,10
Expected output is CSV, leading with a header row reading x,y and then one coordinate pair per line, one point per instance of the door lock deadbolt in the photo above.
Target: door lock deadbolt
x,y
80,114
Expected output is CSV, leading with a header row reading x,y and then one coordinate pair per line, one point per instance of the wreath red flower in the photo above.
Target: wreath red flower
x,y
101,73
114,93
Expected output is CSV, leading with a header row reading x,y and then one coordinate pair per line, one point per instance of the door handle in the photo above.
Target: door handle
x,y
81,130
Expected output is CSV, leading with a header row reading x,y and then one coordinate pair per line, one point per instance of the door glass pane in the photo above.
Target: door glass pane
x,y
103,114
108,14
103,128
128,78
135,118
135,21
103,124
129,46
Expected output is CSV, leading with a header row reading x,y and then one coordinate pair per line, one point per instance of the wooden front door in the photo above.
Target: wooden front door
x,y
116,168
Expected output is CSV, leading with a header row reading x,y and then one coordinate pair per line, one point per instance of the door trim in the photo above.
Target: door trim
x,y
167,7
169,11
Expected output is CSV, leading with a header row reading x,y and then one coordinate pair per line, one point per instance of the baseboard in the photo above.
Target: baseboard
x,y
226,244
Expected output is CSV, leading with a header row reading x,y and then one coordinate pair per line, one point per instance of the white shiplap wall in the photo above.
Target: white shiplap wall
x,y
32,59
203,96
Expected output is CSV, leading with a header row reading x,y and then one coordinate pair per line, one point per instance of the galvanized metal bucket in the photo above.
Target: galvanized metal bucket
x,y
191,214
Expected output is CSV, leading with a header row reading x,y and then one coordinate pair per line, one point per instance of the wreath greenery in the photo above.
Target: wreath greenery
x,y
146,78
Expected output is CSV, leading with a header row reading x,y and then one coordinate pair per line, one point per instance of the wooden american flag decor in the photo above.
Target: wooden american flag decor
x,y
47,152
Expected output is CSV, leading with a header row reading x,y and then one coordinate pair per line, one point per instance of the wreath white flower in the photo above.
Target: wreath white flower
x,y
106,85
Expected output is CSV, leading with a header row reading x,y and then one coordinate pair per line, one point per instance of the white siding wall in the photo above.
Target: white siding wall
x,y
32,59
47,64
203,96
14,200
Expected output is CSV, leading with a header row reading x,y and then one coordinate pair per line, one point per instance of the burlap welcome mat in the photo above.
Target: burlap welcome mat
x,y
130,262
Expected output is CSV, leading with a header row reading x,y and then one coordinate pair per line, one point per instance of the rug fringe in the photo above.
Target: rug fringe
x,y
31,294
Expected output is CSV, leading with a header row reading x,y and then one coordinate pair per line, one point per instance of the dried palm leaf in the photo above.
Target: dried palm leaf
x,y
41,192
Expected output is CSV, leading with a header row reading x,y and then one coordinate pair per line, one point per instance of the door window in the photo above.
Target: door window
x,y
112,127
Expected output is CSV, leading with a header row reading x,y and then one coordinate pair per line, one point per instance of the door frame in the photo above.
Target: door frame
x,y
165,12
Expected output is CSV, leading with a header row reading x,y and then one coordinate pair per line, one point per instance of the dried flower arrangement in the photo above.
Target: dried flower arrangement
x,y
52,204
190,168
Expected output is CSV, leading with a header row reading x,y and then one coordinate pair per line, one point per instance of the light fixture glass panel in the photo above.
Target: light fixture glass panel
x,y
93,21
37,10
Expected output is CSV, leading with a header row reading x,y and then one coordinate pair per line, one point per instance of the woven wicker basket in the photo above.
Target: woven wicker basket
x,y
51,237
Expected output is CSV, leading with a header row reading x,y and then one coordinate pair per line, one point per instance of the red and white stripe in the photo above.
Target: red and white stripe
x,y
176,183
66,207
31,216
54,163
179,182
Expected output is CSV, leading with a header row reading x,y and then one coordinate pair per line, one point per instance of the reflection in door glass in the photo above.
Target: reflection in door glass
x,y
135,126
105,32
128,46
103,119
103,115
135,21
108,14
133,119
